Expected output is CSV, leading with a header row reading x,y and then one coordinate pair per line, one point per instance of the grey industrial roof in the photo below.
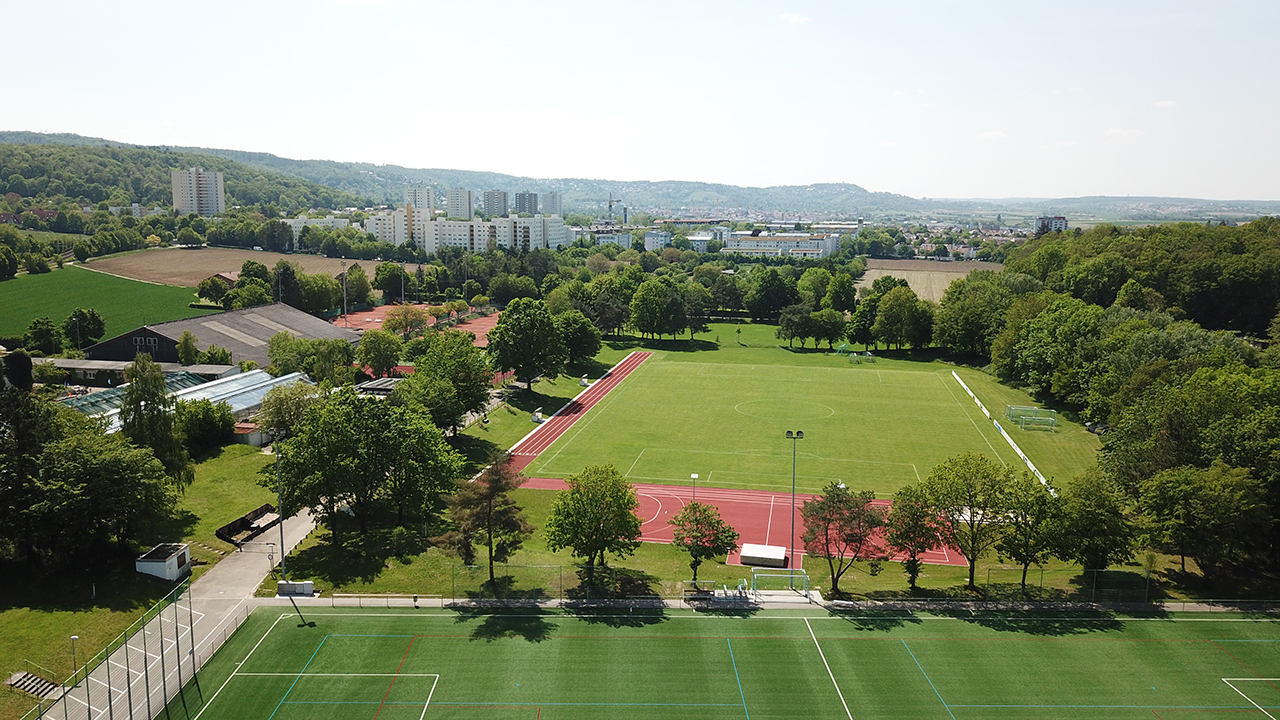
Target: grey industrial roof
x,y
121,365
246,332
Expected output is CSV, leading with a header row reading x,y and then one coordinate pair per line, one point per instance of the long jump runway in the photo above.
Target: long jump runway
x,y
532,445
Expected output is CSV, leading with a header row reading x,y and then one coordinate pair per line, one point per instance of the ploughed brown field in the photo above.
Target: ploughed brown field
x,y
928,278
171,266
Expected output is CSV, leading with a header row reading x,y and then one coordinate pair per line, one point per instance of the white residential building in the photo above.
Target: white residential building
x,y
552,204
198,191
621,239
792,245
330,222
1050,224
420,196
389,226
721,233
699,242
655,240
479,235
459,204
526,202
495,203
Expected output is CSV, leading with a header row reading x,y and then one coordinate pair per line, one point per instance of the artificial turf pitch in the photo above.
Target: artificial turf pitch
x,y
773,664
872,426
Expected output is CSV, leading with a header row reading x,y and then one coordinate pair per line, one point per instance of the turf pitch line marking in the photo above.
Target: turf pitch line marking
x,y
241,664
738,677
1246,697
935,687
831,674
283,674
299,677
970,419
393,678
427,704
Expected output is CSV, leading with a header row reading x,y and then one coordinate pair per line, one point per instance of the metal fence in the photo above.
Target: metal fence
x,y
1068,585
143,669
550,582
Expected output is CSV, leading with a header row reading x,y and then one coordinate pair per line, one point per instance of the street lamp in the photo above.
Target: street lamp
x,y
791,561
694,477
345,322
74,666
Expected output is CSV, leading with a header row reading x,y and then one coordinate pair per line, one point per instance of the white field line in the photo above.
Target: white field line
x,y
281,674
601,405
966,415
241,664
1012,444
633,465
831,674
1246,697
427,704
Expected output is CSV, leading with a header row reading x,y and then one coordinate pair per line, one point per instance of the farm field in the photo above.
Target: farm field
x,y
928,278
530,663
724,413
174,266
124,304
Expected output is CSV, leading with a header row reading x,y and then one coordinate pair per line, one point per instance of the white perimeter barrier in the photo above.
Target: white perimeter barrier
x,y
1005,435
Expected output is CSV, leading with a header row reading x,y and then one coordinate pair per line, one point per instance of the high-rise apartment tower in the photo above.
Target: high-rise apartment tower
x,y
552,204
495,203
459,204
527,202
198,191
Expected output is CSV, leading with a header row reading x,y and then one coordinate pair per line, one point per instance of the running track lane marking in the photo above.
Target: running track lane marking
x,y
240,665
738,677
935,688
556,425
393,678
299,677
831,674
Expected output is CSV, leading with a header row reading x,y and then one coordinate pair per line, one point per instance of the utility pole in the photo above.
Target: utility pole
x,y
791,559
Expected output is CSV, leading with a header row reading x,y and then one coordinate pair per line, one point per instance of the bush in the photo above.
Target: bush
x,y
48,373
35,264
205,425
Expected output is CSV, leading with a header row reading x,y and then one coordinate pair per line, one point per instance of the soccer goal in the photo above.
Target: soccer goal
x,y
778,584
1031,417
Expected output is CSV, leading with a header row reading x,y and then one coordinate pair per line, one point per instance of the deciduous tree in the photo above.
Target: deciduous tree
x,y
839,525
188,349
83,327
596,515
1095,529
147,419
526,340
380,351
699,530
581,338
969,492
912,528
1030,523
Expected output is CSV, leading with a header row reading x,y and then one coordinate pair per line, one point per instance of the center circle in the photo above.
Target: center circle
x,y
784,409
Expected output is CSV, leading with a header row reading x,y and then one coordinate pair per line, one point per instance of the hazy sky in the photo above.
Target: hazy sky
x,y
935,99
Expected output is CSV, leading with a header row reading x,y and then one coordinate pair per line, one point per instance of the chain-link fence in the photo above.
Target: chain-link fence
x,y
146,667
1068,585
551,582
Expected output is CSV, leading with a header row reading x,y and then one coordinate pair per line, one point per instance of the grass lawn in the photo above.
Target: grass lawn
x,y
38,615
722,410
528,663
124,304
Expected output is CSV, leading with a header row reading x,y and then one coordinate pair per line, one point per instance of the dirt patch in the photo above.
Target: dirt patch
x,y
186,268
943,266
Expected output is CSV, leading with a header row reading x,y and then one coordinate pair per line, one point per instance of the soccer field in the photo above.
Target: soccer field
x,y
775,664
872,426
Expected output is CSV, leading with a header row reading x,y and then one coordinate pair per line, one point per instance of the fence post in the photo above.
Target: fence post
x,y
146,667
986,590
111,712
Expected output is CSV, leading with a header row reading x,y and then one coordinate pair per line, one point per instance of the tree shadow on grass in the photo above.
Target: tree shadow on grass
x,y
627,613
102,577
685,345
530,623
875,620
1048,623
359,558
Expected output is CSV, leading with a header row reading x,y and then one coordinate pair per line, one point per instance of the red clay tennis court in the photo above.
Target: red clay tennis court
x,y
760,516
373,318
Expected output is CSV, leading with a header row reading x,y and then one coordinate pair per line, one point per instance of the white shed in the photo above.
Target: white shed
x,y
171,561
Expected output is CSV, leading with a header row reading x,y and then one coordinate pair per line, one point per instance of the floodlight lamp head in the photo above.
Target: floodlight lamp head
x,y
790,435
799,434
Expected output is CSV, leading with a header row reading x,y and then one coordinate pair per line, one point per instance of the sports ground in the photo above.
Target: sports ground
x,y
873,426
672,663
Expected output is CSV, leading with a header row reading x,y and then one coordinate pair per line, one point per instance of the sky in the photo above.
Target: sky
x,y
950,98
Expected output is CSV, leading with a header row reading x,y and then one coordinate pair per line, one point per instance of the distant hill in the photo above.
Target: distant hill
x,y
95,170
385,184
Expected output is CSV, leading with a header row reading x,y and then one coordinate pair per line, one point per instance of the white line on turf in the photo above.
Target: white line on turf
x,y
241,664
1246,697
633,465
427,704
264,674
831,674
965,412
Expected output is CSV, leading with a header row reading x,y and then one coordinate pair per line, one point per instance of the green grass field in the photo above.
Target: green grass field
x,y
723,413
124,304
664,663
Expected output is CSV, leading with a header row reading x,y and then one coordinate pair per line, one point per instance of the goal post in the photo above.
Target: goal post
x,y
775,581
1027,417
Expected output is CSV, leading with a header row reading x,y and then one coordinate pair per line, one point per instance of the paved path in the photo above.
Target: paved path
x,y
155,663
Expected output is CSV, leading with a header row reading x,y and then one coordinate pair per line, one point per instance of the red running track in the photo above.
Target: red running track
x,y
760,516
533,444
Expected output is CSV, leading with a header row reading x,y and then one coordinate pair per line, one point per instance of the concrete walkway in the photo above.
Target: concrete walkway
x,y
152,666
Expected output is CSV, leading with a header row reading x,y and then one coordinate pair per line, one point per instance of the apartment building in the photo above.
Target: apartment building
x,y
531,233
420,196
526,202
329,222
389,226
552,204
495,203
459,204
656,240
198,191
784,244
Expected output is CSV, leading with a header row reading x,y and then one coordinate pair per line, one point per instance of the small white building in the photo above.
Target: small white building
x,y
169,561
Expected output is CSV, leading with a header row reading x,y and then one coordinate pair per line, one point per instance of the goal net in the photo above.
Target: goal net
x,y
776,581
1031,417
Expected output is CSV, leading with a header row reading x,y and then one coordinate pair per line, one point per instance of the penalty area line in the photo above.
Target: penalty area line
x,y
1246,697
831,674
